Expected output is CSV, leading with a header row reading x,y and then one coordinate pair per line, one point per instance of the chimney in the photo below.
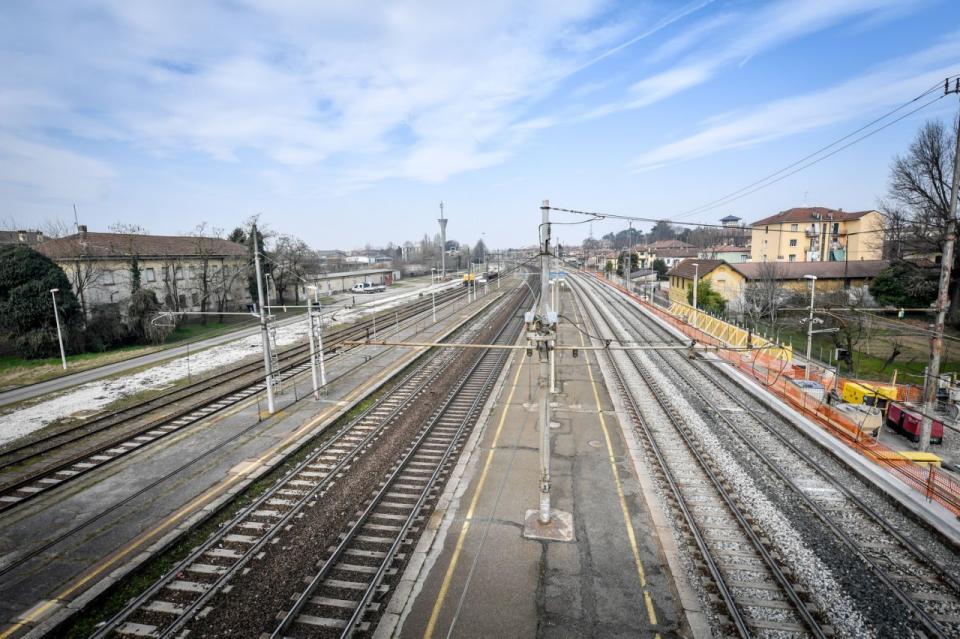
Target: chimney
x,y
82,229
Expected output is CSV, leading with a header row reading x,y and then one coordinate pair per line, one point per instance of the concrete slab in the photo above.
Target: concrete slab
x,y
477,575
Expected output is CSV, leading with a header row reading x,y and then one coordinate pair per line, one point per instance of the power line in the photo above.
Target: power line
x,y
748,189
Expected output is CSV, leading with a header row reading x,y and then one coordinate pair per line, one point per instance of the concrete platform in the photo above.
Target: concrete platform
x,y
474,574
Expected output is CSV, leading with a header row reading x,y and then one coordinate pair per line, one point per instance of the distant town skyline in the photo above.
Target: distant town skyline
x,y
348,125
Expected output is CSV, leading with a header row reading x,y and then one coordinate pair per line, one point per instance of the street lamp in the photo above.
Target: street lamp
x,y
56,316
813,288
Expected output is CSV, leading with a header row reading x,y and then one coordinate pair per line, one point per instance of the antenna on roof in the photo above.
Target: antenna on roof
x,y
76,219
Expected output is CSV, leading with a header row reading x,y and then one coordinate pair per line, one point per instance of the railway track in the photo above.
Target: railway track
x,y
49,462
189,590
901,556
927,589
756,589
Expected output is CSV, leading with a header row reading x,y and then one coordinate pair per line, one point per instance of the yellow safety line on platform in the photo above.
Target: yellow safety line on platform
x,y
211,493
458,549
631,535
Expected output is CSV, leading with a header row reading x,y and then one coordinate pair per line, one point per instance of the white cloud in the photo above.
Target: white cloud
x,y
719,42
31,173
885,86
298,83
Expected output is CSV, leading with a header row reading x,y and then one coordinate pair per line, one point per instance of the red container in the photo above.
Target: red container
x,y
907,423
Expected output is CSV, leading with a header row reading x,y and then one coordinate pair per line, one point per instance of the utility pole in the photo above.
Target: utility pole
x,y
696,281
813,289
313,349
545,522
932,380
443,244
264,335
56,317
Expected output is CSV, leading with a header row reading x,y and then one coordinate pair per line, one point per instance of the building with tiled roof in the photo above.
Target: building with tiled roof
x,y
28,238
730,279
187,273
817,234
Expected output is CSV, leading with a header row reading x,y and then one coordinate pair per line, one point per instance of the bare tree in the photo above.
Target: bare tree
x,y
763,297
920,183
202,274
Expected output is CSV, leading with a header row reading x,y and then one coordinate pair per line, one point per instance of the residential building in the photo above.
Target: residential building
x,y
722,277
727,252
818,234
670,251
730,279
187,273
27,238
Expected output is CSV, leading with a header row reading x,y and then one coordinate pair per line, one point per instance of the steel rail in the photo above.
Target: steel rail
x,y
433,368
930,624
349,537
773,566
79,464
497,367
271,493
35,552
100,422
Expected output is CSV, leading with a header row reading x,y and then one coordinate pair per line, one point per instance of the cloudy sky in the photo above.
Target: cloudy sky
x,y
346,123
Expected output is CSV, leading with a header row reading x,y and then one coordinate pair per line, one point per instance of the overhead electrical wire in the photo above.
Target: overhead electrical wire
x,y
748,189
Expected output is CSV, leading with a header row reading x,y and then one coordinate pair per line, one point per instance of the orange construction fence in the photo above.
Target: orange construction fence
x,y
774,373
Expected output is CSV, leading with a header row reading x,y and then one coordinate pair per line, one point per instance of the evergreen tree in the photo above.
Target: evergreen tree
x,y
26,305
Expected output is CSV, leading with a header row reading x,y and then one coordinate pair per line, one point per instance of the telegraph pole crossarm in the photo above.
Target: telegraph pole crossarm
x,y
932,380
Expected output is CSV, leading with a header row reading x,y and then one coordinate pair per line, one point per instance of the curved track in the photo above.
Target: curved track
x,y
174,602
48,462
754,586
912,564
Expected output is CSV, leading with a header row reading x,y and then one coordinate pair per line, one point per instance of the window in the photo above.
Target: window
x,y
793,242
794,227
107,278
195,298
766,229
836,228
183,300
193,273
150,275
793,258
179,272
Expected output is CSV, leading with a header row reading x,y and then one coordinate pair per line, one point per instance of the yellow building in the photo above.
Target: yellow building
x,y
817,234
723,278
729,279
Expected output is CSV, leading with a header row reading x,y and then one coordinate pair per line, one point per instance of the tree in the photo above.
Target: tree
x,y
202,273
763,297
662,230
919,190
660,267
707,299
141,313
26,305
238,236
905,285
287,265
479,252
622,260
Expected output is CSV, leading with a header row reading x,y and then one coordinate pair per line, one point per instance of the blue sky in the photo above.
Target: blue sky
x,y
346,124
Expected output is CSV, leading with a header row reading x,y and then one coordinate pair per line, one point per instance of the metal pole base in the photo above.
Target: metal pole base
x,y
560,527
